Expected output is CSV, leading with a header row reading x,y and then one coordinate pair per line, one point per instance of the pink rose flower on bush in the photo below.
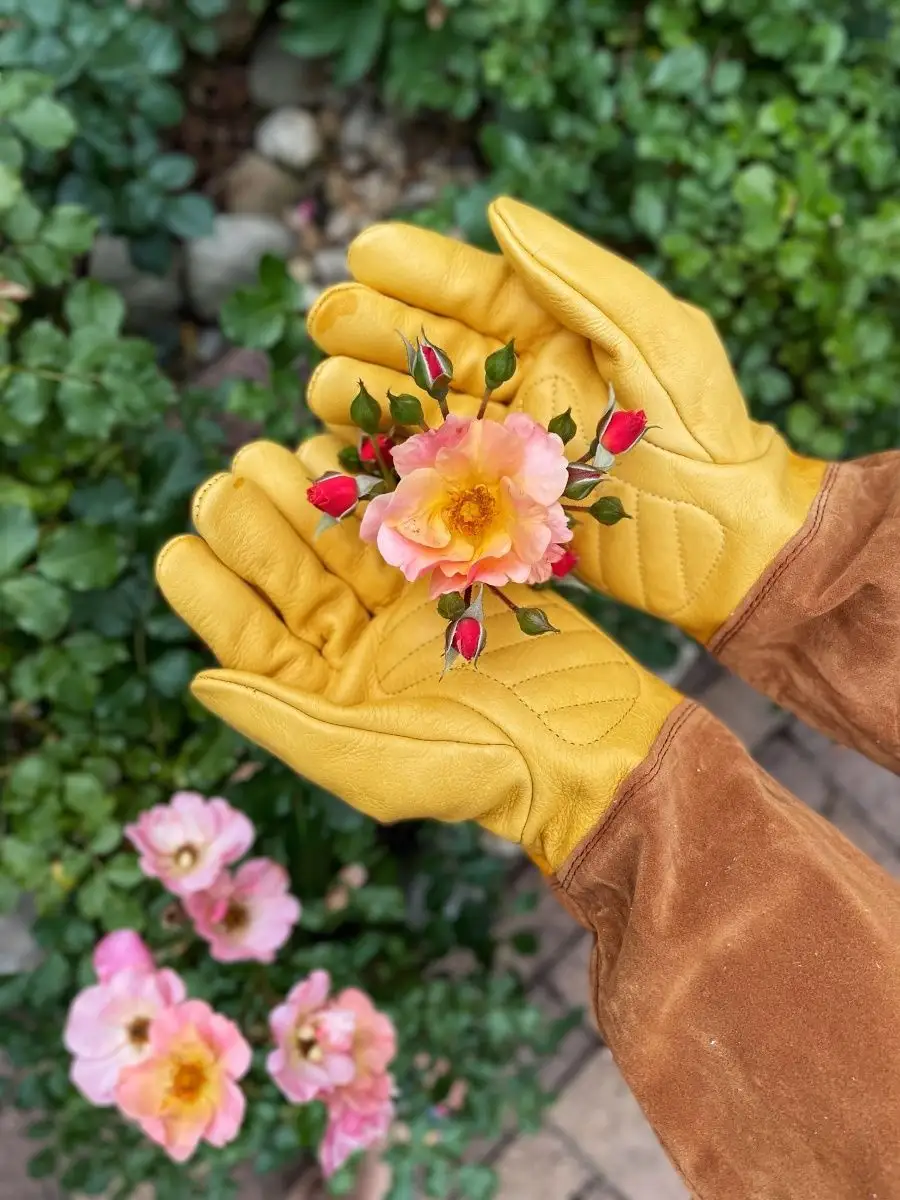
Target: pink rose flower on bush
x,y
108,1027
122,950
185,1090
248,915
187,842
350,1129
313,1041
477,502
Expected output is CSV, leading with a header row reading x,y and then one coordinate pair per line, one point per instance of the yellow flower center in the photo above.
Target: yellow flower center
x,y
185,857
471,511
307,1045
139,1032
188,1081
236,917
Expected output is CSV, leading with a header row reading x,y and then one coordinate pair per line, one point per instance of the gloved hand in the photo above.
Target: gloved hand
x,y
714,495
333,663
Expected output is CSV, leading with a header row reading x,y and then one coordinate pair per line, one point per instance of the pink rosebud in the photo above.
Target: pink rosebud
x,y
122,950
624,430
185,1089
430,367
367,450
335,495
563,565
108,1027
313,1042
469,638
354,875
186,843
248,915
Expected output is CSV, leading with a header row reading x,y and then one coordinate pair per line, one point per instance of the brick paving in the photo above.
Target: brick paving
x,y
595,1143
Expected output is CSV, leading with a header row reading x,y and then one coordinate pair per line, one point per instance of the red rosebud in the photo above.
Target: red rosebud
x,y
367,450
624,430
468,638
334,495
564,565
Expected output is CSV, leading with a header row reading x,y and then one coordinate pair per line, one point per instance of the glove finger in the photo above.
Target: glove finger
x,y
381,758
350,319
441,275
285,477
239,627
653,349
335,381
247,533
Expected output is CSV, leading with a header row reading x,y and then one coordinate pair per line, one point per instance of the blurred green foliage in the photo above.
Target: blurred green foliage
x,y
743,151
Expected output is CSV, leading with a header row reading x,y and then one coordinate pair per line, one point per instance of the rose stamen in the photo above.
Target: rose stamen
x,y
186,857
236,917
188,1081
471,511
139,1032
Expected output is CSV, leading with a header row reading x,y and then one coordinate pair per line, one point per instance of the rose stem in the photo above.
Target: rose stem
x,y
441,398
380,459
506,600
484,403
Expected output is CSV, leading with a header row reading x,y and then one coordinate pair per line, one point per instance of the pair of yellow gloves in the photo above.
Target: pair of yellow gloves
x,y
332,662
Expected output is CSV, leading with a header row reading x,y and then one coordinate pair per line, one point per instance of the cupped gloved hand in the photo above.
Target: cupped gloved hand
x,y
713,494
333,663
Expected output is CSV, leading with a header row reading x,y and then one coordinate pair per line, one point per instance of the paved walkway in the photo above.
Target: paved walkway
x,y
595,1143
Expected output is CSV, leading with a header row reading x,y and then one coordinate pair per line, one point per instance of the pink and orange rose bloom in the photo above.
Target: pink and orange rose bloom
x,y
476,502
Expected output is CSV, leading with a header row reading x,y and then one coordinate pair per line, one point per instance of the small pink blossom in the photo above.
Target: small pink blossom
x,y
122,950
350,1130
185,1090
248,915
108,1027
313,1042
187,842
477,502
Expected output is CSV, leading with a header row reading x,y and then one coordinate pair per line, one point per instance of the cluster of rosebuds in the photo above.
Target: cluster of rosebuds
x,y
467,470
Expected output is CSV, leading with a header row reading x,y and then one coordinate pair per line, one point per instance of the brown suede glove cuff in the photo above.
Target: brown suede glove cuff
x,y
820,632
746,975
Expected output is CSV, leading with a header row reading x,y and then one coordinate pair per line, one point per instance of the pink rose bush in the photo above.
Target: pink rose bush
x,y
247,915
186,843
172,1065
473,503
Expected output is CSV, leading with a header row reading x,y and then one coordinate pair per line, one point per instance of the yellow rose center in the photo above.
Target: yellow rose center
x,y
236,917
307,1044
185,857
471,511
188,1081
139,1032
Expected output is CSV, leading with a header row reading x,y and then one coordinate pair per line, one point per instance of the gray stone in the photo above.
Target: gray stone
x,y
18,949
289,136
276,78
368,136
230,257
256,185
330,264
147,297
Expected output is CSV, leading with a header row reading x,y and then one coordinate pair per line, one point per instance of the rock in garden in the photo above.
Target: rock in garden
x,y
289,136
278,79
147,297
330,264
229,258
370,137
256,185
378,193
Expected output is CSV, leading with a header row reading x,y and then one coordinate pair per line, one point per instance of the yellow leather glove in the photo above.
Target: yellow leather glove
x,y
714,495
333,663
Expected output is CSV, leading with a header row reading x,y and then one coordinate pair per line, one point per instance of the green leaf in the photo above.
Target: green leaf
x,y
172,671
46,123
756,185
648,209
18,536
172,171
69,228
189,216
43,1164
36,605
81,557
10,187
26,398
91,303
361,47
85,796
251,318
680,72
86,407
